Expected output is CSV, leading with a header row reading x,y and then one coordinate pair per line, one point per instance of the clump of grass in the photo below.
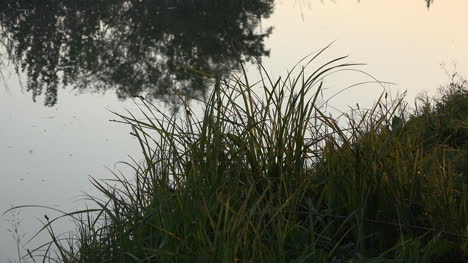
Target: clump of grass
x,y
225,188
271,178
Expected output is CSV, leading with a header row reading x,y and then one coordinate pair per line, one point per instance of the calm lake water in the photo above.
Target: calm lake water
x,y
65,65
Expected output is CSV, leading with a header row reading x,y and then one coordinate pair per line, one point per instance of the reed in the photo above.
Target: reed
x,y
265,175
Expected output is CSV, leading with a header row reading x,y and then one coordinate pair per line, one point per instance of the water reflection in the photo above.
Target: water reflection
x,y
428,3
135,46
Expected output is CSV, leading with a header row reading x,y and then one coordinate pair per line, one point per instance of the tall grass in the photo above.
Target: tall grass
x,y
270,177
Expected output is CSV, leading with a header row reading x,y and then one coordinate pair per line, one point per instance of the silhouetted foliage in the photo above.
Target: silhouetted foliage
x,y
138,47
443,120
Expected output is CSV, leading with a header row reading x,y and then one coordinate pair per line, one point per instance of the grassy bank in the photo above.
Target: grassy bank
x,y
272,178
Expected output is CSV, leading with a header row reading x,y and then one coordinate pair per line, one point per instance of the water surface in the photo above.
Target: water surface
x,y
66,65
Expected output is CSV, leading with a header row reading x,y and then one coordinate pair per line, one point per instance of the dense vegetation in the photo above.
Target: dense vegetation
x,y
272,178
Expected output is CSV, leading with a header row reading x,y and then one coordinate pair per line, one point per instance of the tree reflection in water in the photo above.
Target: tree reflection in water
x,y
138,47
429,3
